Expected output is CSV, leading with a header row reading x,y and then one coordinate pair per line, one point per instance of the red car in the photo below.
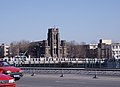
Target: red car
x,y
14,72
6,81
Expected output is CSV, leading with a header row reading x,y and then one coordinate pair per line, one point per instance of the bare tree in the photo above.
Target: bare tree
x,y
76,50
18,47
23,46
70,48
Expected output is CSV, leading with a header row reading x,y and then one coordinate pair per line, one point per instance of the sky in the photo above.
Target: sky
x,y
78,20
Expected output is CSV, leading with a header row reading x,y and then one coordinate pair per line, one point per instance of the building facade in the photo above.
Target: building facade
x,y
115,50
4,50
52,47
104,49
92,51
100,50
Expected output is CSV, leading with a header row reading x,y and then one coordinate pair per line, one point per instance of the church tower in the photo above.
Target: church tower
x,y
54,42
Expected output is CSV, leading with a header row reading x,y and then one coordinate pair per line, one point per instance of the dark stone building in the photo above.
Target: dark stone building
x,y
100,50
104,49
91,51
52,47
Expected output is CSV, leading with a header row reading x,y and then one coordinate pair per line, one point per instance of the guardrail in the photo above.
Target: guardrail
x,y
50,68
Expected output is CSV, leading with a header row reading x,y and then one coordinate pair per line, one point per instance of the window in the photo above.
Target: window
x,y
54,51
5,64
116,47
116,52
54,37
113,52
113,47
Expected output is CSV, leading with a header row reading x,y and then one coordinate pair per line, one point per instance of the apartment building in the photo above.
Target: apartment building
x,y
4,50
115,50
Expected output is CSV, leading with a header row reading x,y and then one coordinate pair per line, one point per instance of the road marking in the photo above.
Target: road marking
x,y
70,81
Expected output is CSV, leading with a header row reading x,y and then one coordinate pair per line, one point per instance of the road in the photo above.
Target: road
x,y
68,80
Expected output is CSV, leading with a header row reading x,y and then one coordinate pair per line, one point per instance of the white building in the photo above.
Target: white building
x,y
115,50
107,42
4,50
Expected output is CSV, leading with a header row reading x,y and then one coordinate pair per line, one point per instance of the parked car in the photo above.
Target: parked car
x,y
7,69
6,81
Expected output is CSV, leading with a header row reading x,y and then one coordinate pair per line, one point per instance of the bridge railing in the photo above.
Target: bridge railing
x,y
65,62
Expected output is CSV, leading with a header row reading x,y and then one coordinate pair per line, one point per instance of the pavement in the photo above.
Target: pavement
x,y
68,80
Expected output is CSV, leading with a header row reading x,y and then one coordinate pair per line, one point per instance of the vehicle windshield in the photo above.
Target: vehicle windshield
x,y
4,64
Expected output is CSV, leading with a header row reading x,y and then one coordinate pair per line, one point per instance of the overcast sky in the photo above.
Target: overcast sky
x,y
79,20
